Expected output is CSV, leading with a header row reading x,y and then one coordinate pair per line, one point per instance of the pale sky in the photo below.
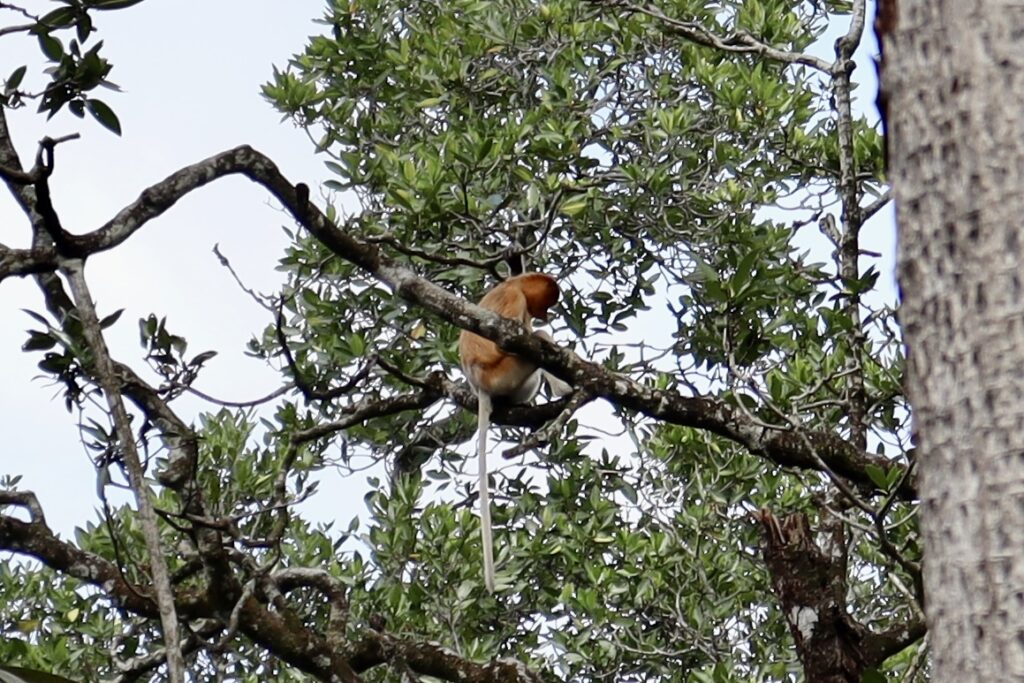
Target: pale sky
x,y
191,72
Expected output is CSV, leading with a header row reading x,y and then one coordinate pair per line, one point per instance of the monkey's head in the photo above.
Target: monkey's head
x,y
541,292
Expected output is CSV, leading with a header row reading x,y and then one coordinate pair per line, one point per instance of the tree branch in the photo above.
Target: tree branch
x,y
333,589
20,262
809,580
782,446
368,409
738,41
35,539
104,367
433,660
294,643
848,252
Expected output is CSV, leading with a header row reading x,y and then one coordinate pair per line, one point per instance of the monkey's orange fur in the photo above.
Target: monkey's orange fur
x,y
493,372
487,367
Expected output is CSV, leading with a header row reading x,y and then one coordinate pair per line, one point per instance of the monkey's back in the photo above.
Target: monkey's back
x,y
521,298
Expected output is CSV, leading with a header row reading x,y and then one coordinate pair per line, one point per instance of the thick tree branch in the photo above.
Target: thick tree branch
x,y
847,45
878,647
433,660
809,580
25,195
782,446
332,588
35,539
19,262
27,500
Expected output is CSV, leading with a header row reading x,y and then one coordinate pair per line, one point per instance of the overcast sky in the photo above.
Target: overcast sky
x,y
191,72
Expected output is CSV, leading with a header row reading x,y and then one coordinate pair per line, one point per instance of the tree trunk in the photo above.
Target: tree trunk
x,y
953,79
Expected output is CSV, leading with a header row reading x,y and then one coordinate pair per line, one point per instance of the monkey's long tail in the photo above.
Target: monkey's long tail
x,y
483,422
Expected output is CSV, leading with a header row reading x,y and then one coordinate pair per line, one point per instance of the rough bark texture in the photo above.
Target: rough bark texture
x,y
810,583
808,573
954,79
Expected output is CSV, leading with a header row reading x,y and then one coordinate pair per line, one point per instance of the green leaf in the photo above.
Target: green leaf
x,y
35,316
51,47
83,27
202,358
39,341
14,80
573,206
877,476
111,319
743,271
872,676
59,18
112,4
357,343
104,114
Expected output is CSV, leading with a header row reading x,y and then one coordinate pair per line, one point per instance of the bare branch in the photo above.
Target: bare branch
x,y
19,28
848,252
847,45
19,10
93,334
44,163
433,660
370,408
27,500
877,205
276,393
332,588
20,262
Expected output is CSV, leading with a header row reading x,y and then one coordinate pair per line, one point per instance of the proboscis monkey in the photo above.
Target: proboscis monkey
x,y
493,372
